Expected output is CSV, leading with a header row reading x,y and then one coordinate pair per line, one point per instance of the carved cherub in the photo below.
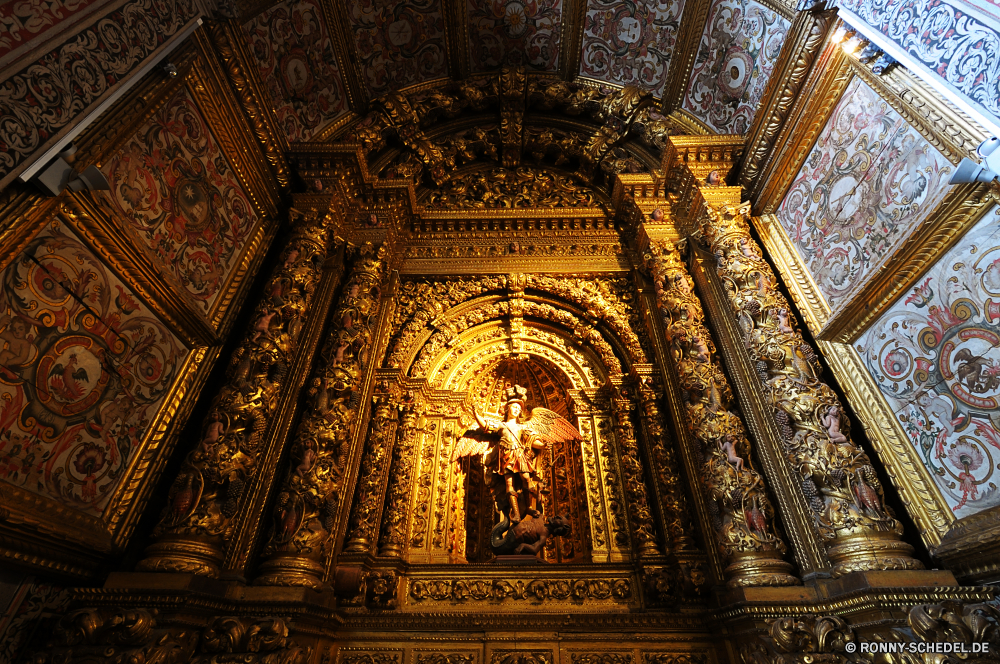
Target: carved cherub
x,y
728,445
831,422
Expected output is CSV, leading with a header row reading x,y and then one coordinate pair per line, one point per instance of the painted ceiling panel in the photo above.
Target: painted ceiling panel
x,y
514,32
737,53
869,181
172,184
292,46
398,43
956,40
935,355
630,42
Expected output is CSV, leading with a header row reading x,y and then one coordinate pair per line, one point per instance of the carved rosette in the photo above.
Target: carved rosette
x,y
198,520
742,515
635,484
310,498
835,475
396,519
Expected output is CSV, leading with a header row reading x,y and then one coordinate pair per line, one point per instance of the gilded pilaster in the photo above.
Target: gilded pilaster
x,y
742,515
309,502
834,475
199,519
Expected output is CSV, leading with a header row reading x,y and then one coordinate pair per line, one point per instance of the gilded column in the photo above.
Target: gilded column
x,y
309,501
742,515
666,471
374,473
635,484
835,475
396,519
199,518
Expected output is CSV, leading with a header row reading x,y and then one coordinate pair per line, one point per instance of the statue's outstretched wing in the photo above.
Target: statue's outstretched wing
x,y
551,426
474,442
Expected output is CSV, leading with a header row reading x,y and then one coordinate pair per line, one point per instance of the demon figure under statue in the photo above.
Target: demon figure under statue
x,y
509,450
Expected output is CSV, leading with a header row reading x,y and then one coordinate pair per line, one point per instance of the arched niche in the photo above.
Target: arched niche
x,y
452,508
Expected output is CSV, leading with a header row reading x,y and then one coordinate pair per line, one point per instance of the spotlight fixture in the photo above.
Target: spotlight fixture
x,y
59,175
970,171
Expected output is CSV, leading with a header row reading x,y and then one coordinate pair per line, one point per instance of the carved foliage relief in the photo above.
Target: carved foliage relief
x,y
398,43
957,40
630,43
24,20
511,32
292,47
738,51
936,357
49,94
868,182
173,185
84,367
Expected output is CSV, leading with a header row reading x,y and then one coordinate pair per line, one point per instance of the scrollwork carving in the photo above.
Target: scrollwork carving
x,y
536,590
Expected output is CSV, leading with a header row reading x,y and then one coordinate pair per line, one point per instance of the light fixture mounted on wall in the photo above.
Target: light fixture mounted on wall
x,y
970,171
59,175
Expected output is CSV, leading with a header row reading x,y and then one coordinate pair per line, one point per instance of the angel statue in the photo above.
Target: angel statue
x,y
511,471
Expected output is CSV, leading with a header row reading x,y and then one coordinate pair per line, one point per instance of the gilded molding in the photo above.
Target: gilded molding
x,y
685,51
798,53
961,209
804,291
916,488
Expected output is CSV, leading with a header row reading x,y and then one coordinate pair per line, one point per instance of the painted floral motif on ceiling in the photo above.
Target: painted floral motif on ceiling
x,y
630,42
84,368
49,94
514,32
292,47
737,54
399,43
173,185
961,47
23,20
936,357
869,181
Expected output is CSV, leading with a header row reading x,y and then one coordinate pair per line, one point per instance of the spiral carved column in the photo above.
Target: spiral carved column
x,y
635,484
373,476
742,515
199,518
396,519
835,475
309,501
